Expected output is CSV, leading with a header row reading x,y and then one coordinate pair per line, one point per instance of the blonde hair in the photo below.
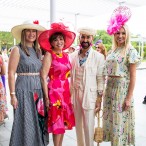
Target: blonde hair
x,y
127,43
35,44
103,49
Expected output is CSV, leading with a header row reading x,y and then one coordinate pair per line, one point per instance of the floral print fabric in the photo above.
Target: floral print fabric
x,y
3,102
118,125
118,65
60,114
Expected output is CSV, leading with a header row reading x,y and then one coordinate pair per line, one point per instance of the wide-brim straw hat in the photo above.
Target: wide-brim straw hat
x,y
87,31
56,27
16,30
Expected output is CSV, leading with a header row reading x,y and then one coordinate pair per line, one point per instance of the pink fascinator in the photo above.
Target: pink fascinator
x,y
119,17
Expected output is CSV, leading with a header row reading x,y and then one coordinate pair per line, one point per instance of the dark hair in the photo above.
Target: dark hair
x,y
4,48
55,35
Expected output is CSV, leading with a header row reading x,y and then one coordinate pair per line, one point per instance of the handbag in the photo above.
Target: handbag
x,y
98,132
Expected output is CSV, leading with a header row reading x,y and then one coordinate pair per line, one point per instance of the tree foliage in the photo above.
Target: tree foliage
x,y
6,39
106,39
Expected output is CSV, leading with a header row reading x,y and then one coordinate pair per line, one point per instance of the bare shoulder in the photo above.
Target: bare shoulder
x,y
47,55
15,52
47,58
14,56
15,49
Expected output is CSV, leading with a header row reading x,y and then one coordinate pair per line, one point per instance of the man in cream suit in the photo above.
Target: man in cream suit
x,y
87,85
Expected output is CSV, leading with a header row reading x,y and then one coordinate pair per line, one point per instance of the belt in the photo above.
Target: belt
x,y
28,74
114,76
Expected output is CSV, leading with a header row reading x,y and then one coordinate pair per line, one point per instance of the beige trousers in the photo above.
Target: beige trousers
x,y
84,122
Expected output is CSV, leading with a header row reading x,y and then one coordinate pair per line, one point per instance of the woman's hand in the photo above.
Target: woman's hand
x,y
127,102
126,105
14,102
47,102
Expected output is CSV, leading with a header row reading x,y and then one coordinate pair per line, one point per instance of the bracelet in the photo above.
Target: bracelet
x,y
12,93
99,99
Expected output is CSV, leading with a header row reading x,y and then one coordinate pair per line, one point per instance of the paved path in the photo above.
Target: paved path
x,y
70,137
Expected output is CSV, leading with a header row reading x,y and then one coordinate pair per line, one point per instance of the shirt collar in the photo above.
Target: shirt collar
x,y
86,54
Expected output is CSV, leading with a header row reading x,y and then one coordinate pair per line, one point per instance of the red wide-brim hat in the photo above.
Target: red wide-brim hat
x,y
56,27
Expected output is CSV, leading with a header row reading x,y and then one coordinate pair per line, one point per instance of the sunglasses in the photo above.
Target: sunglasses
x,y
97,47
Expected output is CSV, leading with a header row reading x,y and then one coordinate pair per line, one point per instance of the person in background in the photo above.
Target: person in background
x,y
3,102
87,84
4,76
6,59
144,101
69,50
5,55
56,66
26,91
101,48
99,41
120,69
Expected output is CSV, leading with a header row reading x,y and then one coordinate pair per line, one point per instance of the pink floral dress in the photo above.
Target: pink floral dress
x,y
3,102
60,115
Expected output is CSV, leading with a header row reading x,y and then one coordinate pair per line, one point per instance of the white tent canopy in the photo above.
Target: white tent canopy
x,y
14,12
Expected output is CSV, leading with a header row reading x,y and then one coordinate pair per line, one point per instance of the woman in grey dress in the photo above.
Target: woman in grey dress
x,y
26,91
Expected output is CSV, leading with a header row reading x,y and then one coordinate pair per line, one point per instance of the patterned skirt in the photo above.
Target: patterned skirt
x,y
118,125
28,126
3,101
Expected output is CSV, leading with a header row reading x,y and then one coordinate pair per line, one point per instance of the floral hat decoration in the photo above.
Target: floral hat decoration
x,y
56,27
119,17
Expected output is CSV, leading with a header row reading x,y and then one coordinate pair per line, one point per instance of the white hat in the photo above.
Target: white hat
x,y
16,30
87,31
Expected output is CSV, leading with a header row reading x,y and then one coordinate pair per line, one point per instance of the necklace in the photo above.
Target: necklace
x,y
59,54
